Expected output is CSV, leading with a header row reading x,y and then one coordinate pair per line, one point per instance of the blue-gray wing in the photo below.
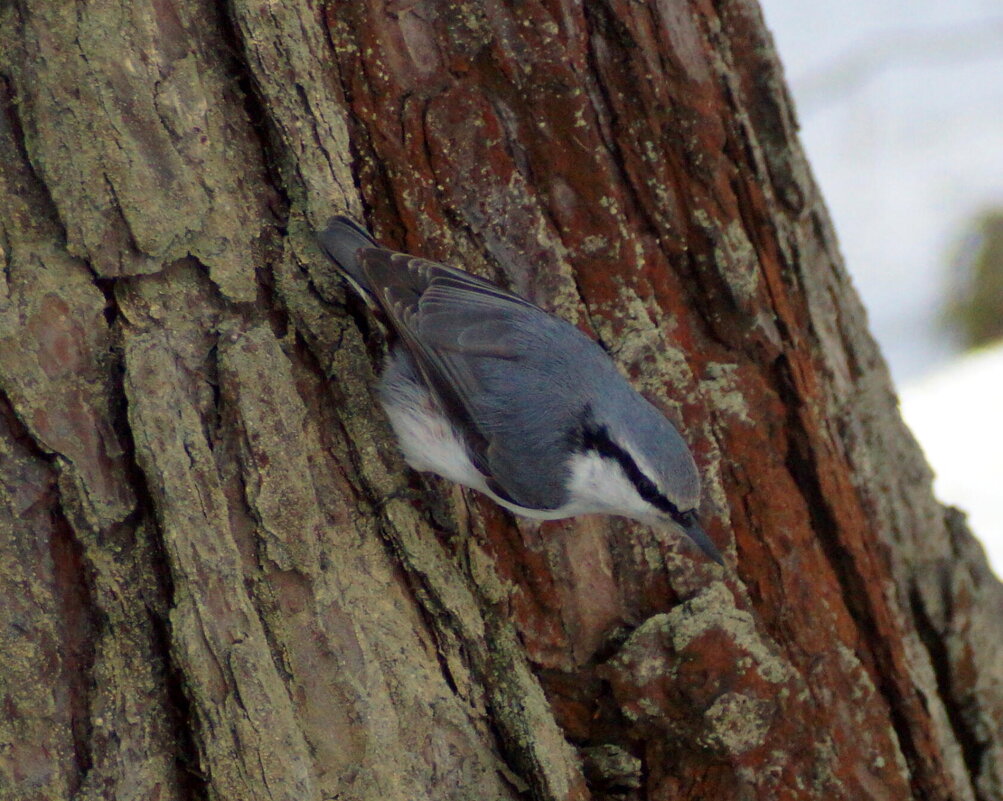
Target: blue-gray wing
x,y
510,375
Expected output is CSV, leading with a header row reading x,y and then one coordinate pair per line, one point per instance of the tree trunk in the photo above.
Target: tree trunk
x,y
217,578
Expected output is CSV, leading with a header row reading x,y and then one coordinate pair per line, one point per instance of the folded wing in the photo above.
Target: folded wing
x,y
484,353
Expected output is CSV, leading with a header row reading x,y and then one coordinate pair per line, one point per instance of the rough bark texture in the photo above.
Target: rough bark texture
x,y
218,580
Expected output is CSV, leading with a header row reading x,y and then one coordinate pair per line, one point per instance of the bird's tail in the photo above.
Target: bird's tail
x,y
341,240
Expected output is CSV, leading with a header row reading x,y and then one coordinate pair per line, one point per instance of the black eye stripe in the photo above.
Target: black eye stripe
x,y
596,438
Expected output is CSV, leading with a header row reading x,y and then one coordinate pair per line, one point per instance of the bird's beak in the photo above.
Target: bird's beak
x,y
696,533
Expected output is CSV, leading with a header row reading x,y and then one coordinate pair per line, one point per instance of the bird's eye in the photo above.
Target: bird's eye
x,y
646,488
688,518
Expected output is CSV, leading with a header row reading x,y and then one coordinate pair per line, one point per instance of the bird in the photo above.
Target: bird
x,y
490,391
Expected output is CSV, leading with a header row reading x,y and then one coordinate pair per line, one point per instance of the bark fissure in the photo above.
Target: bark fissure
x,y
973,750
857,595
41,198
82,627
194,784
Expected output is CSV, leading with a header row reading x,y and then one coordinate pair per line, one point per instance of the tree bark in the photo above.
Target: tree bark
x,y
217,578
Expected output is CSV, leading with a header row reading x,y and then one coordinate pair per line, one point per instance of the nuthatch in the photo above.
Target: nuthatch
x,y
488,390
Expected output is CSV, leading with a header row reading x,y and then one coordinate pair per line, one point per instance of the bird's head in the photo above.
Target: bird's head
x,y
629,460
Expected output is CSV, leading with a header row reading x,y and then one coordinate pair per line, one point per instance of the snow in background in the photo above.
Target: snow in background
x,y
901,112
969,476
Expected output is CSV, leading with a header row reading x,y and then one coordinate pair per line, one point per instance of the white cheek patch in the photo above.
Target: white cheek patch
x,y
599,485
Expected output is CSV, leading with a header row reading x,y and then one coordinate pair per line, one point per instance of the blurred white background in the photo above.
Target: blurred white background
x,y
901,112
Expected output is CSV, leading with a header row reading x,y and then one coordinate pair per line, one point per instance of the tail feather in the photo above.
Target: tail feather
x,y
341,240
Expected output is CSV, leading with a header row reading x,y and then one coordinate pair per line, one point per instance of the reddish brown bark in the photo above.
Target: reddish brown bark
x,y
219,587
